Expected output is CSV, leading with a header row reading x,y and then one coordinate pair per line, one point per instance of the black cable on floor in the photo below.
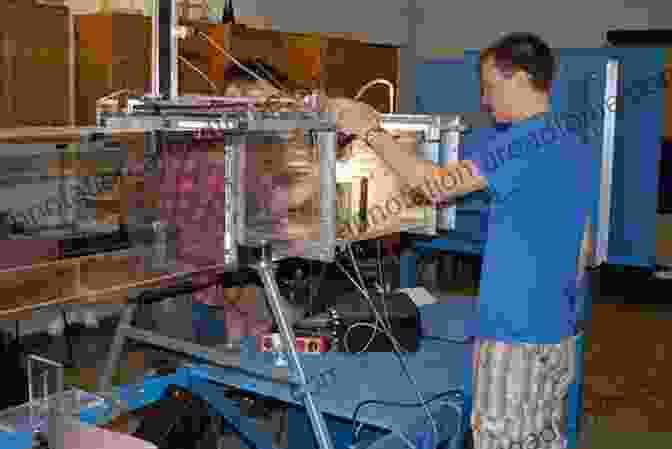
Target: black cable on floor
x,y
456,393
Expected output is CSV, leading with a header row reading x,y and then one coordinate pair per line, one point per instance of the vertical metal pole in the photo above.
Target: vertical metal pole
x,y
266,272
155,49
173,91
29,373
231,203
606,169
164,48
57,413
104,383
449,152
243,156
327,151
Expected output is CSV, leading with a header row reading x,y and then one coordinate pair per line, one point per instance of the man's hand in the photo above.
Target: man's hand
x,y
353,116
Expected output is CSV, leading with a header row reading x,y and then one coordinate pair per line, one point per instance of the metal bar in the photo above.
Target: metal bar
x,y
232,192
448,152
105,380
327,147
155,48
228,359
164,52
221,123
266,272
606,172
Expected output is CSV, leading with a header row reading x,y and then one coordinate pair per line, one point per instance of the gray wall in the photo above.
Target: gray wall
x,y
444,25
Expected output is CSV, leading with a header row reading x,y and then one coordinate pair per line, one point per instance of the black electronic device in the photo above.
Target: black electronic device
x,y
180,419
15,378
357,330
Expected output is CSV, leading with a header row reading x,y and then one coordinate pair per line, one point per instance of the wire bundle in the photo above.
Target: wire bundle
x,y
384,326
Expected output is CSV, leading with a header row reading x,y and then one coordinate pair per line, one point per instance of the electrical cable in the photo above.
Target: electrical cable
x,y
228,55
379,319
405,439
397,347
381,274
213,86
360,324
432,399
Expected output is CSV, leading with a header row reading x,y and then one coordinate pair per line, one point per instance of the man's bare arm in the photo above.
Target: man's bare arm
x,y
438,184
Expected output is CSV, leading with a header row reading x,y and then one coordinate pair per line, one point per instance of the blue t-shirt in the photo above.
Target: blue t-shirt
x,y
541,179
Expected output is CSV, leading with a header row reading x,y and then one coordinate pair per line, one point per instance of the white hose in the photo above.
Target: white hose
x,y
384,82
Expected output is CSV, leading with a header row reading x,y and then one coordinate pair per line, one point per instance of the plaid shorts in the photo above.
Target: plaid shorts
x,y
520,393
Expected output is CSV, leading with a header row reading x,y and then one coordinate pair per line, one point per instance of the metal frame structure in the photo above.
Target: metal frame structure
x,y
234,126
183,117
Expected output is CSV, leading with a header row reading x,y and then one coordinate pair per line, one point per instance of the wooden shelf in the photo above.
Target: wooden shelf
x,y
102,278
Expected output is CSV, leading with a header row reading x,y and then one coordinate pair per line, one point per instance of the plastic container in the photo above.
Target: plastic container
x,y
34,417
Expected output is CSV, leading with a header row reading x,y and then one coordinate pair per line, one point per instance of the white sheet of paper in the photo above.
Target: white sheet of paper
x,y
419,295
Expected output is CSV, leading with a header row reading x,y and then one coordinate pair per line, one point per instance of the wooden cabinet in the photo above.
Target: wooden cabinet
x,y
348,65
297,55
34,68
113,53
119,57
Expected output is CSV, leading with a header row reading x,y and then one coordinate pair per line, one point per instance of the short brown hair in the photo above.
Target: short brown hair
x,y
523,52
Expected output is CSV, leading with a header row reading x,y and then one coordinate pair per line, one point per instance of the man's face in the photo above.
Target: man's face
x,y
499,92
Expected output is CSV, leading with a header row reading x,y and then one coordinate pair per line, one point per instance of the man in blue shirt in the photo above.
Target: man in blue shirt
x,y
537,248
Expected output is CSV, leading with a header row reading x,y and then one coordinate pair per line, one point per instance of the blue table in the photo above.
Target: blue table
x,y
438,366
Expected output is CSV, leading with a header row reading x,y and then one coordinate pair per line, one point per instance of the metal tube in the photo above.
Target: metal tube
x,y
155,49
105,380
327,147
265,269
164,49
173,92
231,203
449,152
